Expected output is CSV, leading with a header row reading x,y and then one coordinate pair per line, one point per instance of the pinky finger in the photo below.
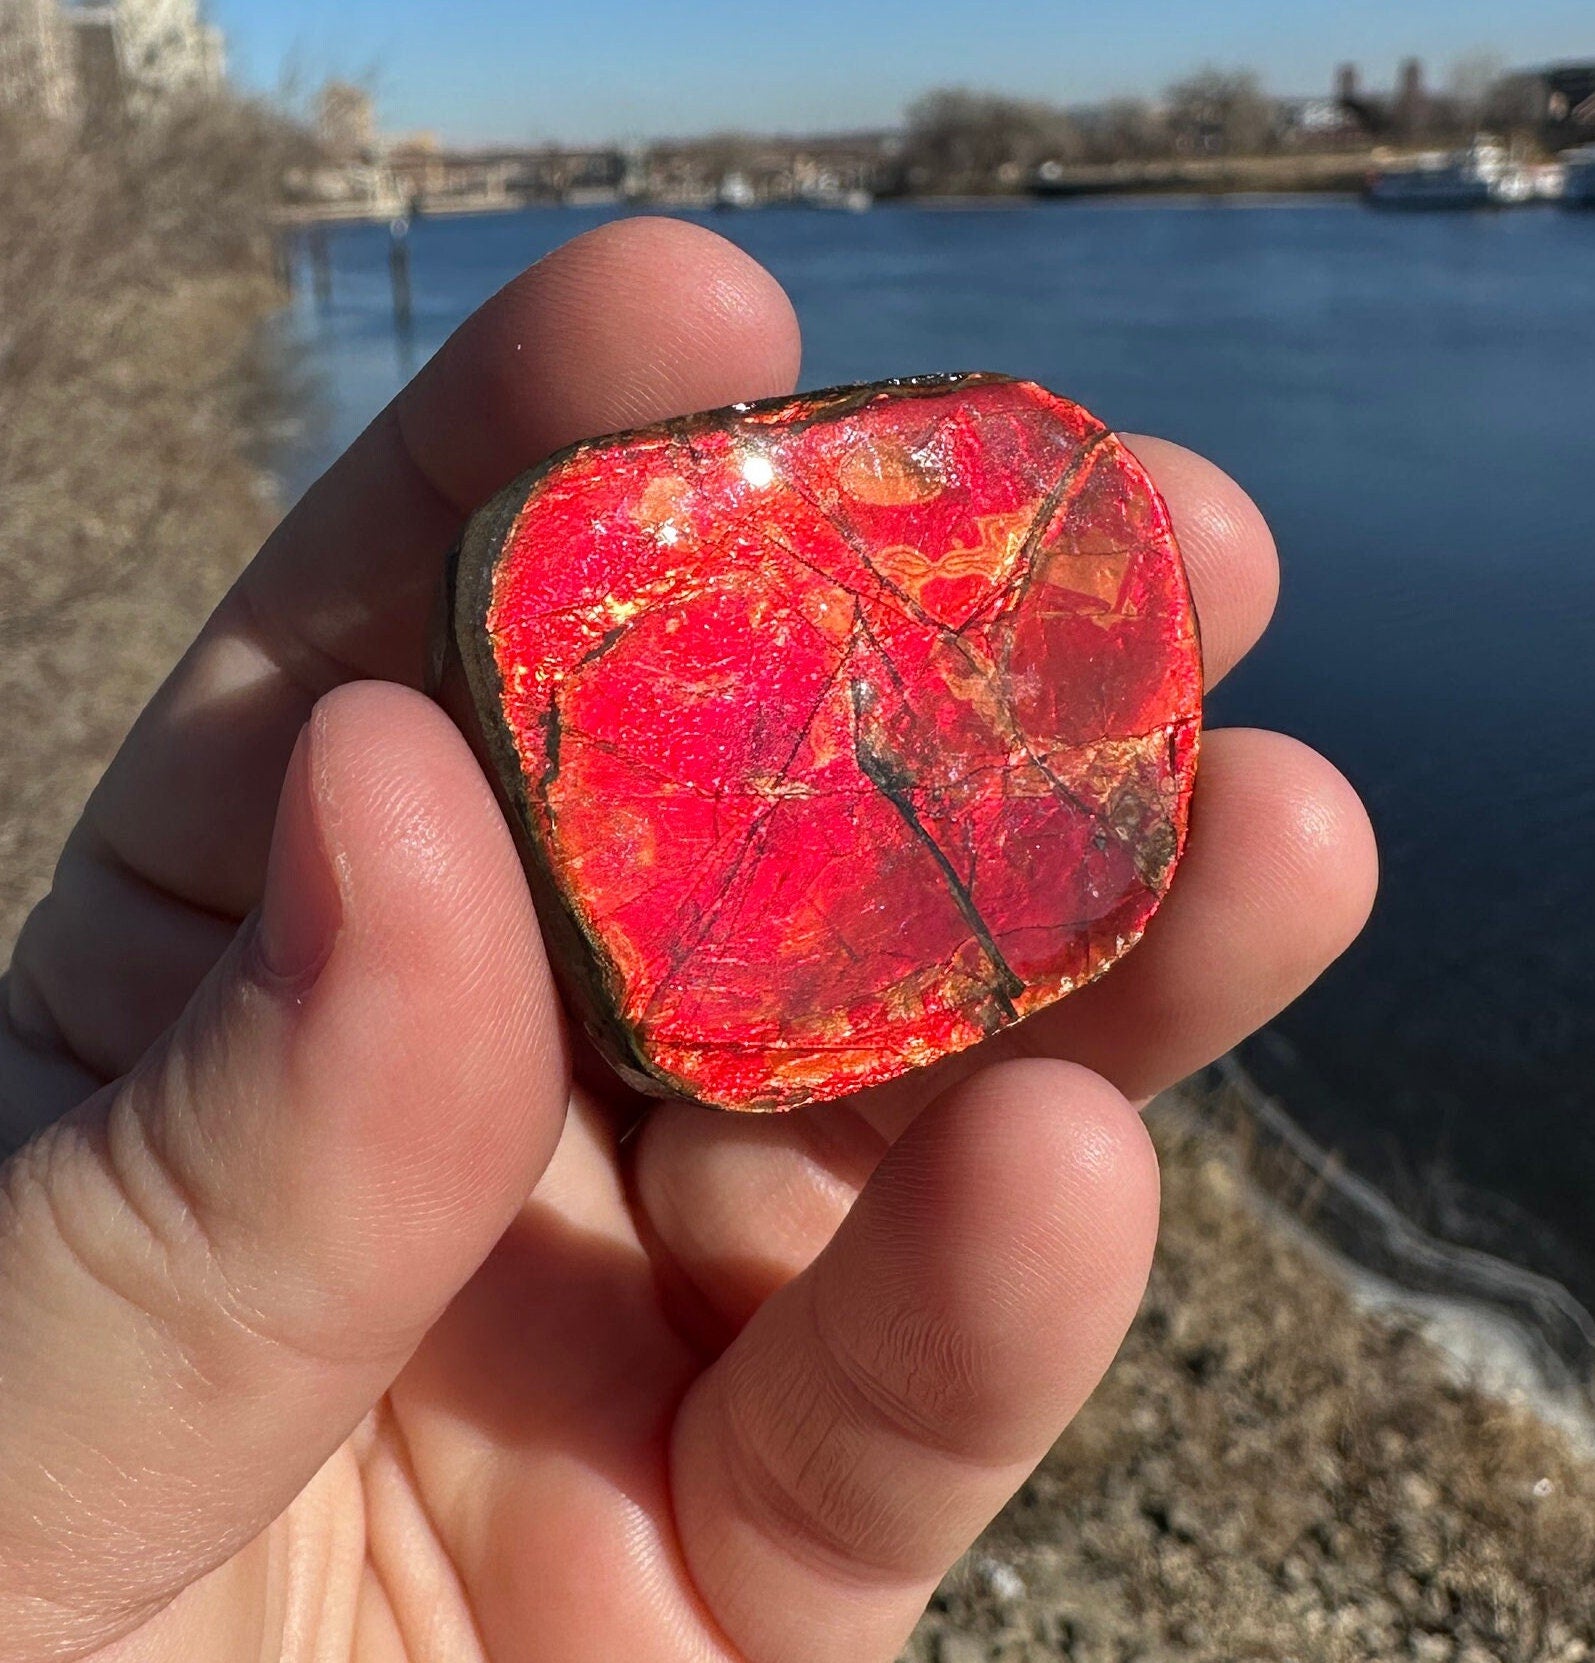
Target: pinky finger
x,y
877,1413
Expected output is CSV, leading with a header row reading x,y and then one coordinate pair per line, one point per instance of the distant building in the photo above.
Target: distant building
x,y
346,122
554,172
735,170
120,57
1559,101
1412,108
1318,124
418,163
1407,115
151,52
36,62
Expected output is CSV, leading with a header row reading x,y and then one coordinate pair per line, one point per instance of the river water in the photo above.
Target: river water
x,y
1411,399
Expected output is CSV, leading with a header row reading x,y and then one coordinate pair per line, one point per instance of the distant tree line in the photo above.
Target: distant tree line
x,y
963,141
960,141
957,140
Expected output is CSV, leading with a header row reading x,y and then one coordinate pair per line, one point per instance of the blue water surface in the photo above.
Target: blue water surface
x,y
1411,399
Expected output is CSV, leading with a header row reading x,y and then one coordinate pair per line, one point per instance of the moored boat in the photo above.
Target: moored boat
x,y
736,191
1578,177
837,199
1482,176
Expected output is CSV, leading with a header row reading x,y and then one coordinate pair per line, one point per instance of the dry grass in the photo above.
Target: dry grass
x,y
132,275
1269,1473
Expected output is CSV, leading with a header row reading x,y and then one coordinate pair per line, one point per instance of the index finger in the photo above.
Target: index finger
x,y
638,320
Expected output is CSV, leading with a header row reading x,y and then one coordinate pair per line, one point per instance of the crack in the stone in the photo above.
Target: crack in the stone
x,y
678,591
884,774
553,732
895,784
861,553
671,785
780,544
677,956
984,671
1014,734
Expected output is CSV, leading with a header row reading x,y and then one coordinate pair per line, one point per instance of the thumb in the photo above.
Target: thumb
x,y
211,1271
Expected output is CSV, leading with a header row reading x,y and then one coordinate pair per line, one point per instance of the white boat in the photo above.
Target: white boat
x,y
1578,177
736,191
841,201
1482,176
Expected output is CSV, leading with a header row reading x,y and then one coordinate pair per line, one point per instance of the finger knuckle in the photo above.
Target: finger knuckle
x,y
803,1478
86,1231
845,1455
912,1376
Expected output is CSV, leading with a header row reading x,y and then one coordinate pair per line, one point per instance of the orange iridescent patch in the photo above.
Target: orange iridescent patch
x,y
841,730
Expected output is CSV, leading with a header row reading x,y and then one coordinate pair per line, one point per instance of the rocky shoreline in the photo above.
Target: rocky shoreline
x,y
1287,1462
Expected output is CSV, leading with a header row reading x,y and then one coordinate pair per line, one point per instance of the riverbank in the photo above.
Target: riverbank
x,y
1292,175
1281,1468
1343,173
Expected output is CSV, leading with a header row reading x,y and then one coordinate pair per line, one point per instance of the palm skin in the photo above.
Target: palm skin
x,y
341,1321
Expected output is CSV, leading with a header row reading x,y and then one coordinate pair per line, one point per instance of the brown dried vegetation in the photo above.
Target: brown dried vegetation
x,y
133,272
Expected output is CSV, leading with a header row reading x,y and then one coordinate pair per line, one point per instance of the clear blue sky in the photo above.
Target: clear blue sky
x,y
523,70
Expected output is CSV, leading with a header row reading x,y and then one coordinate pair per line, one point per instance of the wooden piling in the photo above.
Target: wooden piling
x,y
320,264
399,271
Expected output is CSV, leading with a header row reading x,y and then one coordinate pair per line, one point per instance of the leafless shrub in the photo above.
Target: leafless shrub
x,y
134,268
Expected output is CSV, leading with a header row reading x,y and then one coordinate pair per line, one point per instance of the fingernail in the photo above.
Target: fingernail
x,y
303,907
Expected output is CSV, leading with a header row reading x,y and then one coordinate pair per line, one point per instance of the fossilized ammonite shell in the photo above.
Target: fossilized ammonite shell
x,y
840,730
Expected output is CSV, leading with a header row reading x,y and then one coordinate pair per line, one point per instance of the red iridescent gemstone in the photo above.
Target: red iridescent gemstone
x,y
841,730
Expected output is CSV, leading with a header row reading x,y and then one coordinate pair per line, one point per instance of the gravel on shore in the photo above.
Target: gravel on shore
x,y
1273,1471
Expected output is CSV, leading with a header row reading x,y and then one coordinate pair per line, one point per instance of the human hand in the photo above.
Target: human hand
x,y
337,1322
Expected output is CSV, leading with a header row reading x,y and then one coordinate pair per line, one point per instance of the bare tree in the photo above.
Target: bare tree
x,y
966,141
1222,112
135,267
1515,107
1470,85
1124,129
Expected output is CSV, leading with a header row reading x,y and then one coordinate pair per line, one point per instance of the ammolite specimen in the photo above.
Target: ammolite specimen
x,y
840,730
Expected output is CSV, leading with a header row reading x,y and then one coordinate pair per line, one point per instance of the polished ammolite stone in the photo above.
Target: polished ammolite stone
x,y
841,730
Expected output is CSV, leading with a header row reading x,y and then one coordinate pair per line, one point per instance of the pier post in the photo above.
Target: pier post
x,y
320,265
282,263
399,270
